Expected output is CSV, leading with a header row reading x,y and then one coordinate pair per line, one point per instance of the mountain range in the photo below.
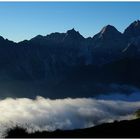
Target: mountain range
x,y
62,65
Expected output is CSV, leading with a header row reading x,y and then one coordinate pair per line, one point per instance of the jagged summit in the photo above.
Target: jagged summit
x,y
73,34
71,31
108,28
108,32
45,64
56,37
133,30
137,22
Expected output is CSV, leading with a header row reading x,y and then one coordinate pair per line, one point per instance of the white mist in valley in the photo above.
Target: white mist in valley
x,y
46,114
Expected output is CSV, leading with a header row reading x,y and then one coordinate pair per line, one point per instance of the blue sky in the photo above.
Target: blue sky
x,y
24,20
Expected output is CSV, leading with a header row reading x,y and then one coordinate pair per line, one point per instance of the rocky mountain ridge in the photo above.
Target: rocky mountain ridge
x,y
51,58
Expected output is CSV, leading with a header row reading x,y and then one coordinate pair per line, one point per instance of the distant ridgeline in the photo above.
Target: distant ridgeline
x,y
68,65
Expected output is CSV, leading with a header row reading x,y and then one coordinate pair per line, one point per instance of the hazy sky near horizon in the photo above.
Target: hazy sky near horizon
x,y
24,20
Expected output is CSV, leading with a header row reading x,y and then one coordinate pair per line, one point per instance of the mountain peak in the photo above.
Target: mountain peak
x,y
108,28
133,30
136,23
108,31
73,34
71,30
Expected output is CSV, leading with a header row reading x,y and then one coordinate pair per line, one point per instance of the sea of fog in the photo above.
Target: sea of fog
x,y
46,114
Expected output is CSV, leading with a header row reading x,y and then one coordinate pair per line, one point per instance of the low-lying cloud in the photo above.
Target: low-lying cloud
x,y
46,114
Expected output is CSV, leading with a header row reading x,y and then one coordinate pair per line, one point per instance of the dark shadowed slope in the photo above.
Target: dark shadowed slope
x,y
59,65
122,129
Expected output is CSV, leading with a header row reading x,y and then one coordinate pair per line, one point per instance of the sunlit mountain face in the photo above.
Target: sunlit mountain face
x,y
65,81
